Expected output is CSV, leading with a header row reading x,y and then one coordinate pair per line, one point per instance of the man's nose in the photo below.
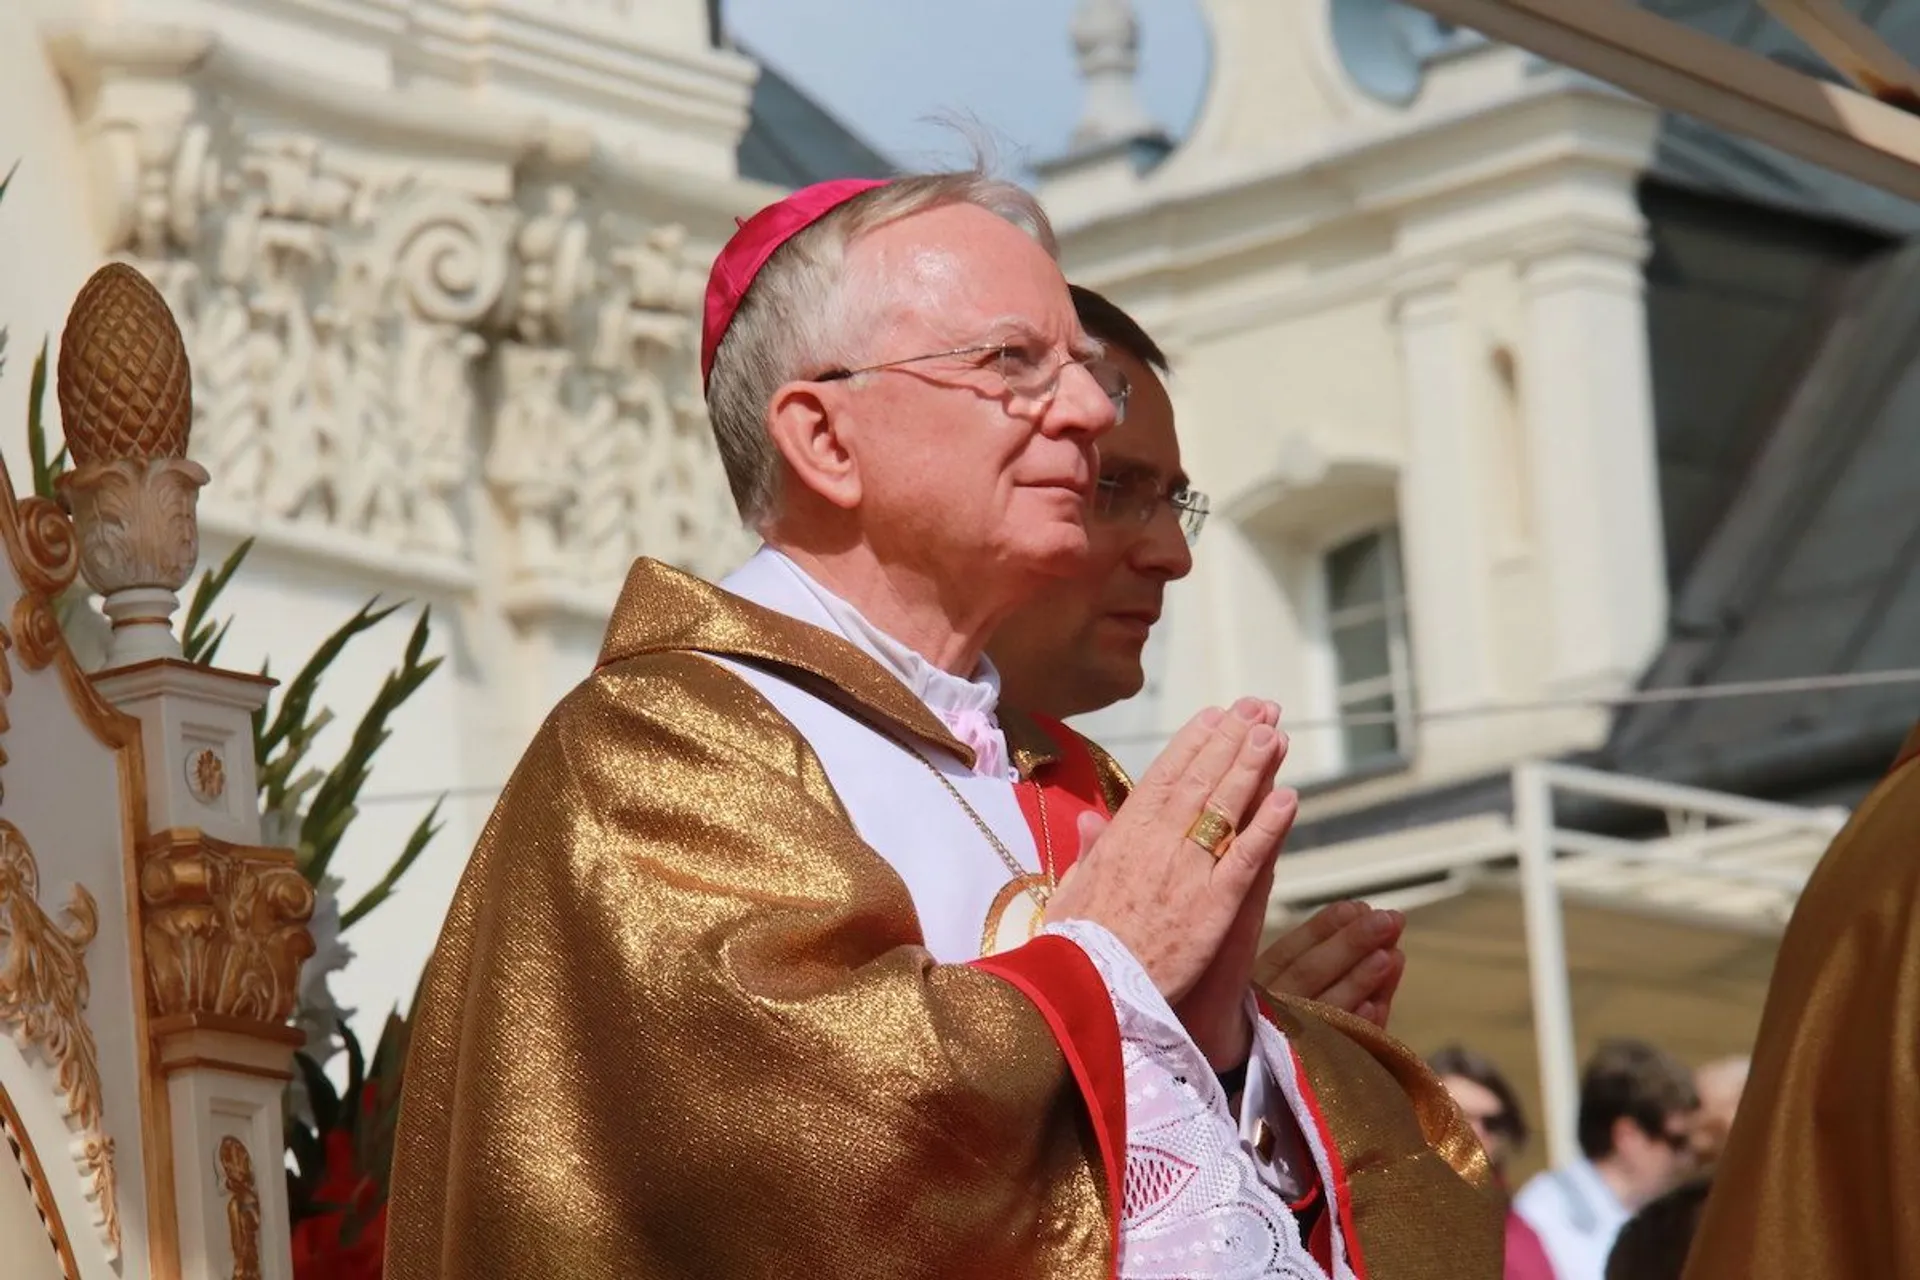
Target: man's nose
x,y
1161,551
1079,405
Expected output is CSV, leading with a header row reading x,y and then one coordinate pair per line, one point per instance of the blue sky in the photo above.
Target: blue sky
x,y
884,66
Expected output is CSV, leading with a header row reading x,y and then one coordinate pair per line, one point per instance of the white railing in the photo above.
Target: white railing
x,y
1723,857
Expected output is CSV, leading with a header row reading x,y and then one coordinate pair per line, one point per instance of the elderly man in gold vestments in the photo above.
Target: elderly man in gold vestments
x,y
759,969
1820,1176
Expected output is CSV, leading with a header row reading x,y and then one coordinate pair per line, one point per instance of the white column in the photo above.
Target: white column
x,y
222,923
1442,518
1547,972
1588,394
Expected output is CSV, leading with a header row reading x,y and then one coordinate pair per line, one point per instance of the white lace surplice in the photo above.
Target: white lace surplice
x,y
1194,1205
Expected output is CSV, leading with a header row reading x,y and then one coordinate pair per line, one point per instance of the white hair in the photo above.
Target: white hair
x,y
800,316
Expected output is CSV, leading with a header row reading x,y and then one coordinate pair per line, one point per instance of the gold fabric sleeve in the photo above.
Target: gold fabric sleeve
x,y
655,1041
1820,1179
1424,1205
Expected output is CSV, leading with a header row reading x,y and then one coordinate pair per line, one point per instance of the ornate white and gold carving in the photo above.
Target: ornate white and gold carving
x,y
43,1001
225,927
27,1159
206,775
243,1207
126,404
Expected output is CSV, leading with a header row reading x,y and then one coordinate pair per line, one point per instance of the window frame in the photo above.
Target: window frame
x,y
1391,610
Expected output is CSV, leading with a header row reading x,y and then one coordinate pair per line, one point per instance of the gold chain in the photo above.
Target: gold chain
x,y
1039,895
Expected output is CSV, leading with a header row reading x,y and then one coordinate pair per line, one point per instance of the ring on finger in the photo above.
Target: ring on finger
x,y
1212,831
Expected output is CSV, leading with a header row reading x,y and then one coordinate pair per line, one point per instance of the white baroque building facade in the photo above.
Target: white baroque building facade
x,y
1410,364
438,267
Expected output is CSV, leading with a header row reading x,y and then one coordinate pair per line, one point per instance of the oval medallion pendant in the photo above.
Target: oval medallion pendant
x,y
1016,916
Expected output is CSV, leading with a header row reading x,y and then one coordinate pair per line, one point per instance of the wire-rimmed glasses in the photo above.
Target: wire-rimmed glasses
x,y
1136,495
1026,369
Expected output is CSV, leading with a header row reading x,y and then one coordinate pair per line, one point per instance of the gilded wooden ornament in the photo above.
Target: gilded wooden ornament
x,y
37,631
243,1207
207,775
137,521
50,550
225,927
125,391
43,1001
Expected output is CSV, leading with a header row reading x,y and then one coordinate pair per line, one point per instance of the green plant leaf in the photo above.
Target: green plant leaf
x,y
202,638
334,801
423,832
321,1098
45,470
296,700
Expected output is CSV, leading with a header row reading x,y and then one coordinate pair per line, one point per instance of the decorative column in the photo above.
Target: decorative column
x,y
1443,523
222,921
1589,410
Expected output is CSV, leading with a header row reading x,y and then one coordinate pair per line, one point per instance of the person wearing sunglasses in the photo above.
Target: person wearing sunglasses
x,y
1488,1101
1637,1104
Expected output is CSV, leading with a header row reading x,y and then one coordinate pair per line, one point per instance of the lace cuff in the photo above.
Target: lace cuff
x,y
1194,1206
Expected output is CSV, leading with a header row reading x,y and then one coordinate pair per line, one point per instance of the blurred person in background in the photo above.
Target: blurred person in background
x,y
1637,1104
1492,1107
1719,1084
1654,1243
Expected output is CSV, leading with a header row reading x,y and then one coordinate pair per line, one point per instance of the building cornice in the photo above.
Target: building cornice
x,y
1556,125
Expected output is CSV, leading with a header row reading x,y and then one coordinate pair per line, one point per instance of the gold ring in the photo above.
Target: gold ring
x,y
1212,831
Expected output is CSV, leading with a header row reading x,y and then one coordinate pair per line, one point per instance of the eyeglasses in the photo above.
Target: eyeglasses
x,y
1026,369
1137,495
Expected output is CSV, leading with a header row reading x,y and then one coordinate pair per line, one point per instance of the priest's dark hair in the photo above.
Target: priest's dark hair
x,y
1105,321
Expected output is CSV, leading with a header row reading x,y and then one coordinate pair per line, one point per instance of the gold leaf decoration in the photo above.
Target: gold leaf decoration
x,y
43,1001
125,390
225,927
52,549
243,1207
37,631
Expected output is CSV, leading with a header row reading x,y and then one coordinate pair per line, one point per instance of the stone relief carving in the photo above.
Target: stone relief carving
x,y
327,306
378,353
43,1000
224,925
602,451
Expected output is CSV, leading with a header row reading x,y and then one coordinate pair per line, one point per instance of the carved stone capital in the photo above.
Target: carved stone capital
x,y
225,928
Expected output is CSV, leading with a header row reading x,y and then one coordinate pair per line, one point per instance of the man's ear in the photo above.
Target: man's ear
x,y
806,430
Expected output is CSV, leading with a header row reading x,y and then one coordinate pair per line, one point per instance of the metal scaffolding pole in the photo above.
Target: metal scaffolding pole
x,y
1547,962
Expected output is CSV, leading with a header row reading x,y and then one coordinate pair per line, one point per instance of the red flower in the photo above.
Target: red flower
x,y
321,1250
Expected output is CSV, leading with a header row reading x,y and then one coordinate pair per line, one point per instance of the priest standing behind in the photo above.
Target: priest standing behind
x,y
710,1000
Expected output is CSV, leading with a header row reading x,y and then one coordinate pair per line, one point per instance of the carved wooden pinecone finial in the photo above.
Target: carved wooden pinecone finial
x,y
125,390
